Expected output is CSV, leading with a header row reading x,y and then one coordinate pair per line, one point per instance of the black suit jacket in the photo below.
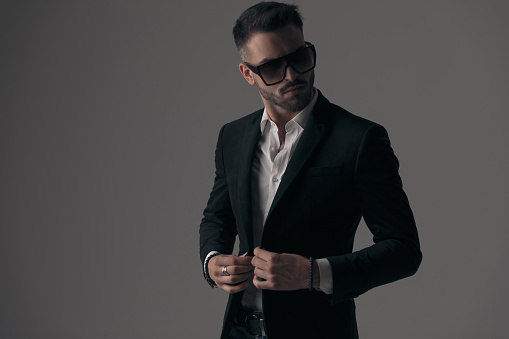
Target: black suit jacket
x,y
342,169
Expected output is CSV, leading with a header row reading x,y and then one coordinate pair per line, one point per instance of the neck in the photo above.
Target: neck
x,y
279,115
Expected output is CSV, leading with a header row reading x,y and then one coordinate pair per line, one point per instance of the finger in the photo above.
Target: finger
x,y
263,284
260,263
233,279
263,254
232,270
259,273
217,268
236,269
242,260
229,260
234,289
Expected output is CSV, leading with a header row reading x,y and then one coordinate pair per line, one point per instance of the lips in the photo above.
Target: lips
x,y
294,88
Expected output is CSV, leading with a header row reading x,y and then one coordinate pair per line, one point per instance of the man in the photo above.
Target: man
x,y
293,181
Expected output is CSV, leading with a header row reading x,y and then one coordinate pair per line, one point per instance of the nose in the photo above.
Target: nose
x,y
290,75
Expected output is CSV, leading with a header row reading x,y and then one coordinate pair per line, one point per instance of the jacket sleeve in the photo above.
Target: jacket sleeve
x,y
218,228
395,253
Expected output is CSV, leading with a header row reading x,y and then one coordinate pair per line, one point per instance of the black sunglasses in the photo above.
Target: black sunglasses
x,y
274,71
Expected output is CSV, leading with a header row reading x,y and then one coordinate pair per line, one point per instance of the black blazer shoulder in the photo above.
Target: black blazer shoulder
x,y
326,112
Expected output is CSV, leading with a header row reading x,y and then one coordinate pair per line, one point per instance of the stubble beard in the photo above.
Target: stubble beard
x,y
300,100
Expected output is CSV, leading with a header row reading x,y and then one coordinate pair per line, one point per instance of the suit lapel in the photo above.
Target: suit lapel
x,y
311,136
249,143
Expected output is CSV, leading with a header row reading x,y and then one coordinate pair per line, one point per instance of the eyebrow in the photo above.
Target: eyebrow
x,y
264,60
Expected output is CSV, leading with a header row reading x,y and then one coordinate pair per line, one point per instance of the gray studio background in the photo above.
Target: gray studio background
x,y
109,114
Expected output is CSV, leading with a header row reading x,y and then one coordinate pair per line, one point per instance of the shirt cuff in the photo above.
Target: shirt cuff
x,y
208,256
326,283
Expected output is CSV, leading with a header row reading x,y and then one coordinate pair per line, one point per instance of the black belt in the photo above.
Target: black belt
x,y
252,321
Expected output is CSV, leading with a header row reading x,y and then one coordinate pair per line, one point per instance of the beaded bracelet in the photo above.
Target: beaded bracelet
x,y
310,274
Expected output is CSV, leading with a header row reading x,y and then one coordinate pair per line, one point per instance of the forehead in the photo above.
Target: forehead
x,y
264,46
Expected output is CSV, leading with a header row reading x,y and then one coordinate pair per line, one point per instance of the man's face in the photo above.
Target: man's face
x,y
294,93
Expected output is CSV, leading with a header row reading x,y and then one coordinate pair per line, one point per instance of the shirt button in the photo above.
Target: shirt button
x,y
275,179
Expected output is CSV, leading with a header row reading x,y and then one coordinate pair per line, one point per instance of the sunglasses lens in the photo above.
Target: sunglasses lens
x,y
303,60
273,71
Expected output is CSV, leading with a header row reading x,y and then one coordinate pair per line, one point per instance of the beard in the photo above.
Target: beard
x,y
294,104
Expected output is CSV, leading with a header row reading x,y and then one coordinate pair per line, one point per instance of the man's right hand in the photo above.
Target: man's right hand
x,y
239,268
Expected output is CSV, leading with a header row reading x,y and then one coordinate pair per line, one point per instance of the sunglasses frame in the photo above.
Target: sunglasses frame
x,y
256,69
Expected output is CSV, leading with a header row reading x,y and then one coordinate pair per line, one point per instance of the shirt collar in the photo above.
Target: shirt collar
x,y
301,118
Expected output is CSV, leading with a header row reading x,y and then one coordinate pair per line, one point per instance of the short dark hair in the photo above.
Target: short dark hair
x,y
266,16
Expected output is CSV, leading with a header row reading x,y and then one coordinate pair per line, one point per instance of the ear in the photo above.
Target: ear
x,y
246,73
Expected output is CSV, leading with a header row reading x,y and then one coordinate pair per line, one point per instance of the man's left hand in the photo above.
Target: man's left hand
x,y
283,272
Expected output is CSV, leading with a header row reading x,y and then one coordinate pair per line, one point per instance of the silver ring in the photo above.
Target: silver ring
x,y
225,270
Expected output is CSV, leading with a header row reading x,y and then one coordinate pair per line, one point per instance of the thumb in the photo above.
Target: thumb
x,y
245,255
